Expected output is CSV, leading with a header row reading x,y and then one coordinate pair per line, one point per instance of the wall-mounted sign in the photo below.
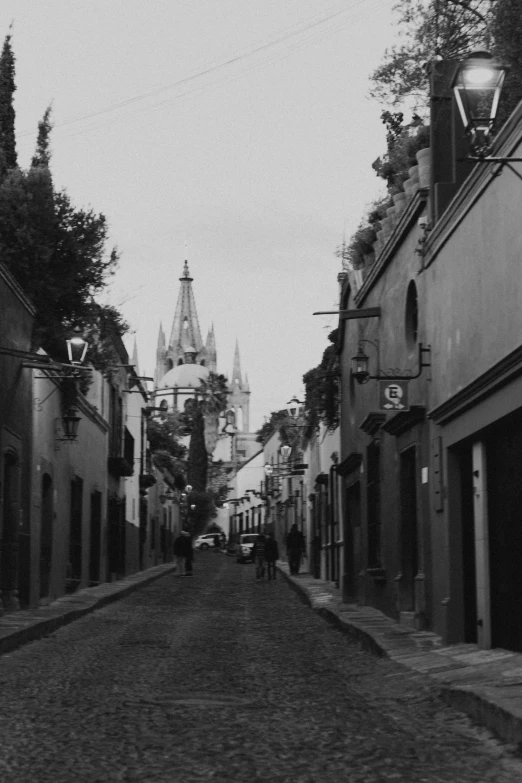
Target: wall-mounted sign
x,y
393,396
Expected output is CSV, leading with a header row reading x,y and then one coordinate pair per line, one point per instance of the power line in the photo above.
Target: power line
x,y
209,70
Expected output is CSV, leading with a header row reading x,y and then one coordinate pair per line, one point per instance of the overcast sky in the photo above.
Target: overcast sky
x,y
236,133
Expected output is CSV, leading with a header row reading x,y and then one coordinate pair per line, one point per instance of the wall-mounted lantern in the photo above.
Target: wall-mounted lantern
x,y
477,86
70,423
360,366
76,347
294,408
286,451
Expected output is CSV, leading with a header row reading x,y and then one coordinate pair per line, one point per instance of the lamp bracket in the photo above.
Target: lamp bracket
x,y
38,403
393,375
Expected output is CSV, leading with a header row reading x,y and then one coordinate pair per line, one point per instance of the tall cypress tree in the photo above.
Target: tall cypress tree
x,y
197,456
7,112
42,153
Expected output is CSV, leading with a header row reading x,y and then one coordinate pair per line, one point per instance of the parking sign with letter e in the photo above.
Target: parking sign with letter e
x,y
393,396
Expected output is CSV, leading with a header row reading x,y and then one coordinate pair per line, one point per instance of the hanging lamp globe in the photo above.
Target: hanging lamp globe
x,y
477,86
71,422
360,366
76,346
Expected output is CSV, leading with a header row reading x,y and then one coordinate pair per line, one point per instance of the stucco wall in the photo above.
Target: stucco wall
x,y
16,321
63,460
474,288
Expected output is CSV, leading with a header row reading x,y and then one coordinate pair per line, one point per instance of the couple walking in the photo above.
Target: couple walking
x,y
184,553
265,551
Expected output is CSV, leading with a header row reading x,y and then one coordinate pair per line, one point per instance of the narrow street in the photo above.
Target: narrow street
x,y
221,678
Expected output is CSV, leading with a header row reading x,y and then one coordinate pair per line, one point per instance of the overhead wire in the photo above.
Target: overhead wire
x,y
215,68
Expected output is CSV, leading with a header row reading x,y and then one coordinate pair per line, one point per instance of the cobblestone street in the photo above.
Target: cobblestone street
x,y
221,678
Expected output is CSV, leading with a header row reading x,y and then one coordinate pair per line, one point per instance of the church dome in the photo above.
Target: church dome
x,y
185,376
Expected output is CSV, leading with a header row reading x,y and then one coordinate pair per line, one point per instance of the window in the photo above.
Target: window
x,y
412,315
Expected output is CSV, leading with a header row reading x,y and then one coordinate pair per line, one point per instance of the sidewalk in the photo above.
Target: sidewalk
x,y
485,684
18,628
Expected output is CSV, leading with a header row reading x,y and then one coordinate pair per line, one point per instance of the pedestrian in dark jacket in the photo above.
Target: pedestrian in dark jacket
x,y
217,543
271,555
179,553
184,553
258,556
189,554
295,546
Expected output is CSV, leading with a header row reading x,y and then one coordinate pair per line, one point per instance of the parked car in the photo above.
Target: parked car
x,y
206,541
245,546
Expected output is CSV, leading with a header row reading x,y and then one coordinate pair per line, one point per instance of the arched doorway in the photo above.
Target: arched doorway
x,y
46,535
9,531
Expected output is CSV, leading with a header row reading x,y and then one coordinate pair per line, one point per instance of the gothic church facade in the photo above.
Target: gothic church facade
x,y
185,361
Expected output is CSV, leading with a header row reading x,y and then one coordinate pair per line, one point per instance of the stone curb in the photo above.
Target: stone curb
x,y
483,691
19,628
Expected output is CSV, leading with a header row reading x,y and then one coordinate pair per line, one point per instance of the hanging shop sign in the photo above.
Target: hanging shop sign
x,y
393,396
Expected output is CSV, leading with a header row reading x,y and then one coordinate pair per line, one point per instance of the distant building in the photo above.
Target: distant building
x,y
185,362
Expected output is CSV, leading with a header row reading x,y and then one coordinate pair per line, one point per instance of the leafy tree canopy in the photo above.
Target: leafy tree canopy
x,y
197,461
57,252
323,392
271,425
7,112
215,391
447,29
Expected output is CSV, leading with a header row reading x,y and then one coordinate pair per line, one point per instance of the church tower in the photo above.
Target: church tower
x,y
185,362
185,333
239,398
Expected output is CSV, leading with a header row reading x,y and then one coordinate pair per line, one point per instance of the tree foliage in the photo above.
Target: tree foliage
x,y
42,153
273,424
197,463
323,390
506,29
215,394
57,252
163,434
204,511
446,29
7,112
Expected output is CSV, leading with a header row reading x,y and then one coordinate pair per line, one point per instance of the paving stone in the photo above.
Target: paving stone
x,y
223,679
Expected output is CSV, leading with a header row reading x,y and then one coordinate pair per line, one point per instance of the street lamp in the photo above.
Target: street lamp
x,y
359,367
294,408
360,370
286,450
70,422
477,85
76,347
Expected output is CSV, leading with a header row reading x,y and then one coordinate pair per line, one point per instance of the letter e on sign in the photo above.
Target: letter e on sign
x,y
393,396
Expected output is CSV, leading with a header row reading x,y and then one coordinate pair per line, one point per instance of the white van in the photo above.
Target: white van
x,y
244,547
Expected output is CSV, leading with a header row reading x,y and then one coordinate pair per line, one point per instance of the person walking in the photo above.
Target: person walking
x,y
179,554
295,546
258,556
217,543
188,552
271,555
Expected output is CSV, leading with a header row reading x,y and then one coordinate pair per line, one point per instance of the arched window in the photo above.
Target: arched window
x,y
170,364
412,315
180,361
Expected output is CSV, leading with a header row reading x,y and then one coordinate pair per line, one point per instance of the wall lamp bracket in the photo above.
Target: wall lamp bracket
x,y
362,375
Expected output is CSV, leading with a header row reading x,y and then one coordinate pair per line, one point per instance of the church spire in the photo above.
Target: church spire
x,y
236,372
185,327
134,359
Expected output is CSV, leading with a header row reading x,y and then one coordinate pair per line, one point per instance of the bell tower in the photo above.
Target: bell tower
x,y
185,333
239,398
